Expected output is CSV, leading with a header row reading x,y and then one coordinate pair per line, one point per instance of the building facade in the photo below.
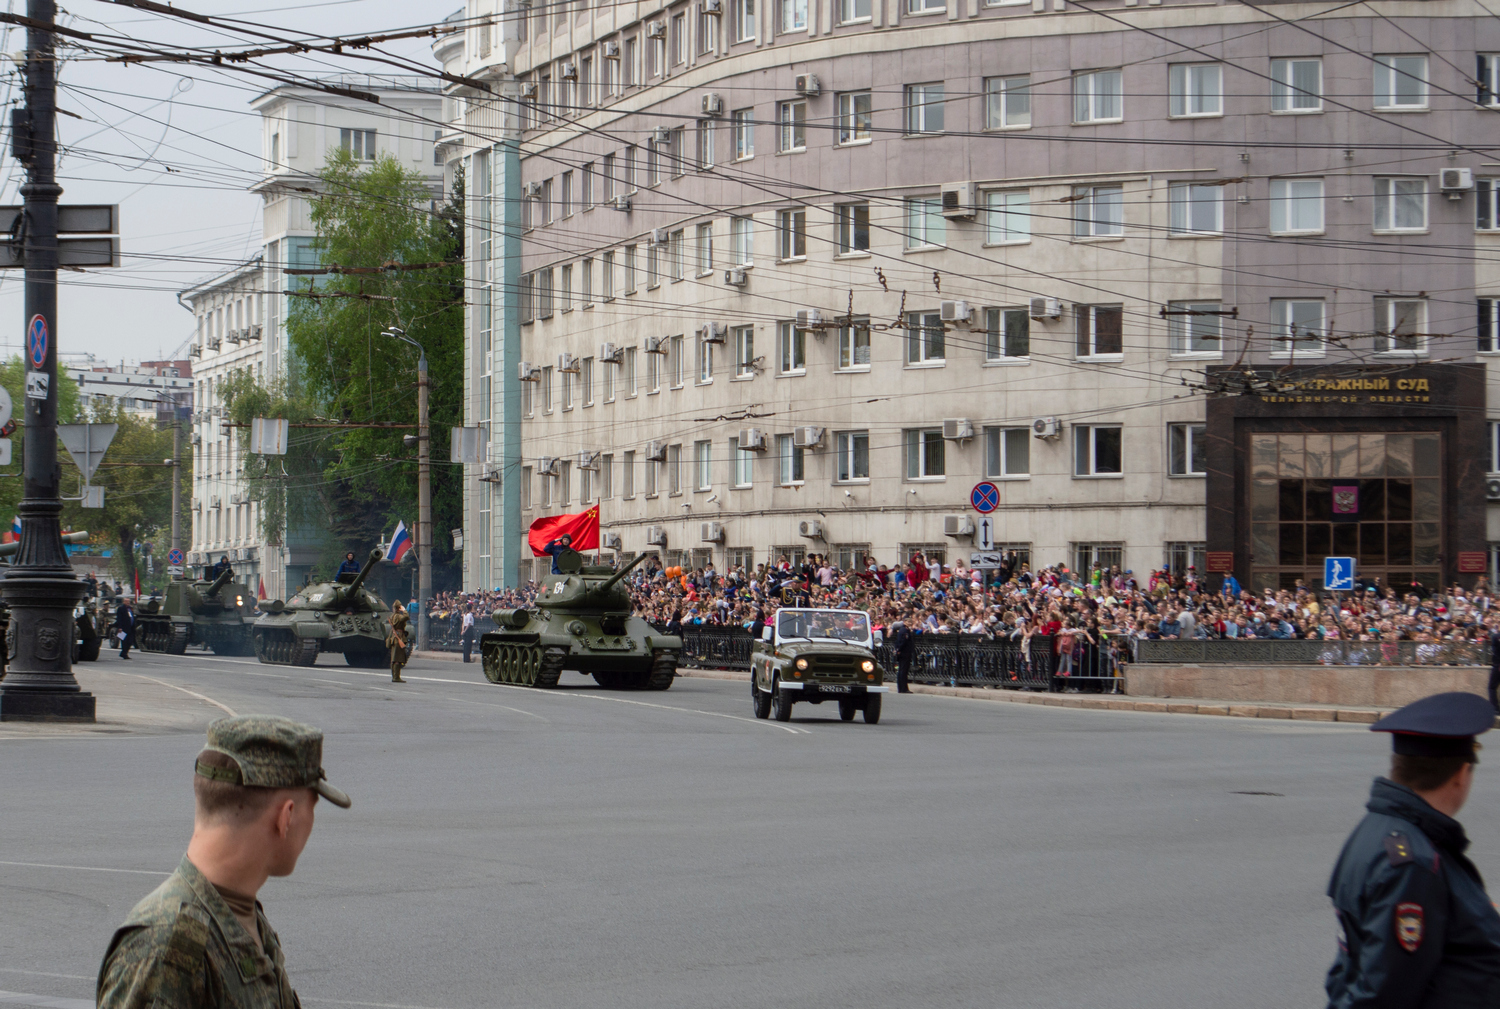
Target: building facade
x,y
796,276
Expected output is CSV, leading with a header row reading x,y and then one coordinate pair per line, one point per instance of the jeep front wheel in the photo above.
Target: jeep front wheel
x,y
847,708
872,709
783,703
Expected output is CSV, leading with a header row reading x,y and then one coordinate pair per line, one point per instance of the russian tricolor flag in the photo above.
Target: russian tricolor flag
x,y
400,542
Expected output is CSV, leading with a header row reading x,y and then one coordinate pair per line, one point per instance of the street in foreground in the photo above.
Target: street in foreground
x,y
573,848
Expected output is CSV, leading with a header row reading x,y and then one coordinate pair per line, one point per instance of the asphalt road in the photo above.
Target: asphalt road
x,y
582,848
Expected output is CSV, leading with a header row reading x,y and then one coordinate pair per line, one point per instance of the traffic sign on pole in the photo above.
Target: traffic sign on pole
x,y
984,539
985,497
174,557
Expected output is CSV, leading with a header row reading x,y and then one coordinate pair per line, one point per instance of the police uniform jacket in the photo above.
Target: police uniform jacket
x,y
1416,926
183,948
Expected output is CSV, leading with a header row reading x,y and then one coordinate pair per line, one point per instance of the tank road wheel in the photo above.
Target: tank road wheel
x,y
177,639
489,661
663,671
305,652
847,708
761,698
872,709
549,667
781,702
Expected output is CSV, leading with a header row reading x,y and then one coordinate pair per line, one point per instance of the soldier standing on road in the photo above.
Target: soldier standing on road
x,y
468,633
201,939
1416,927
396,640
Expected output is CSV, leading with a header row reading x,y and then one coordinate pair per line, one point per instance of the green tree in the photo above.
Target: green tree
x,y
13,378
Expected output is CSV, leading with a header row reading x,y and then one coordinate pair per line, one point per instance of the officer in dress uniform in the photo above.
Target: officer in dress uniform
x,y
1416,927
201,939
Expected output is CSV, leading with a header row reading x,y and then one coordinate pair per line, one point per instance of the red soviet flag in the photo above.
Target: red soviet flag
x,y
583,527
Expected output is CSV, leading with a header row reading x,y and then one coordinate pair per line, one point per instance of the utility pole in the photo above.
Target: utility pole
x,y
176,474
41,589
423,540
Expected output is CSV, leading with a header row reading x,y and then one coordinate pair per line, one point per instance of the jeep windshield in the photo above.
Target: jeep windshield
x,y
824,625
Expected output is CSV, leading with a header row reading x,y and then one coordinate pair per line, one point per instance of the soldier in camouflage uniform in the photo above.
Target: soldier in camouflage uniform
x,y
201,939
397,640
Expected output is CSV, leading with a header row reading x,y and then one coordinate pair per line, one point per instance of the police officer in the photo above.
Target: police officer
x,y
1416,927
201,939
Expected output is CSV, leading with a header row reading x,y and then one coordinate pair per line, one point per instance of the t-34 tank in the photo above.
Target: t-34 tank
x,y
337,616
217,613
581,621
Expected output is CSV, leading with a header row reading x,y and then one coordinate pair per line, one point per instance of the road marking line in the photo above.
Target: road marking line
x,y
173,686
42,973
45,1001
86,868
339,1001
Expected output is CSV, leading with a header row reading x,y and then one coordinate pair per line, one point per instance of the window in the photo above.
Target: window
x,y
1099,330
703,249
526,488
630,65
1400,326
606,477
924,338
544,294
792,229
703,468
792,117
1008,217
609,177
628,166
674,359
527,298
547,389
360,144
1400,204
653,371
925,225
656,56
607,275
1401,82
674,469
586,282
1195,209
565,288
1297,85
1007,102
854,117
1195,89
653,265
674,154
567,194
793,15
853,449
851,11
679,39
654,155
566,378
1187,449
1296,206
854,345
744,352
653,476
676,254
1489,325
1489,83
1486,204
629,269
1096,97
631,375
852,227
705,351
607,375
1098,211
793,349
925,6
1007,333
586,80
742,20
744,463
1007,452
627,475
789,459
743,126
528,399
924,453
924,108
1194,327
1096,451
708,31
706,131
586,380
1492,439
1299,326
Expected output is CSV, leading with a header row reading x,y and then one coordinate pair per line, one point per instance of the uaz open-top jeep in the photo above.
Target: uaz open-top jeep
x,y
816,656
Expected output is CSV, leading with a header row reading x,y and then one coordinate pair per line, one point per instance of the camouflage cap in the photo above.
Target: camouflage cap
x,y
270,752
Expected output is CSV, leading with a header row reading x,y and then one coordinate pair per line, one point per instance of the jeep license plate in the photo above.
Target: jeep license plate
x,y
833,690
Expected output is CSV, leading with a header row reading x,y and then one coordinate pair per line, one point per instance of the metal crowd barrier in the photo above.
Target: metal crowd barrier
x,y
446,635
1292,652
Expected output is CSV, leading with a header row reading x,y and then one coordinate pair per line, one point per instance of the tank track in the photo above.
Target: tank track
x,y
163,636
522,665
663,671
281,648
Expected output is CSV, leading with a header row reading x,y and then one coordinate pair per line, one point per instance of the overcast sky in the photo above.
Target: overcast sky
x,y
176,146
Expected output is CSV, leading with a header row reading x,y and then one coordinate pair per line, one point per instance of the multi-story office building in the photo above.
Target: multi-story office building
x,y
797,276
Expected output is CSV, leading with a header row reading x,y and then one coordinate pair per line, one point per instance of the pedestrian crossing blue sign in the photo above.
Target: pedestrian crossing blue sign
x,y
1338,574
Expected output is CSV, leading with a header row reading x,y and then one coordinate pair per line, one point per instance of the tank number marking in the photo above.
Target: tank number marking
x,y
557,589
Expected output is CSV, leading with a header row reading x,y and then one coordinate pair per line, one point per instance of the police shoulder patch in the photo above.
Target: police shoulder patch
x,y
1398,848
1409,926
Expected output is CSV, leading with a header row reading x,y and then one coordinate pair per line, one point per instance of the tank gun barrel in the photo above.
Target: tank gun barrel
x,y
353,587
218,584
618,575
11,549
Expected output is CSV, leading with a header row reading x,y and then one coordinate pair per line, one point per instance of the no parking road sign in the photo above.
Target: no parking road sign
x,y
985,497
1338,574
174,557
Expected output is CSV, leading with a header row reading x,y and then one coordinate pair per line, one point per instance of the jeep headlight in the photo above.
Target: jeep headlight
x,y
802,664
867,666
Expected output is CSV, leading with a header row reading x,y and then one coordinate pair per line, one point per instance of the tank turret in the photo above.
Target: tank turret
x,y
325,617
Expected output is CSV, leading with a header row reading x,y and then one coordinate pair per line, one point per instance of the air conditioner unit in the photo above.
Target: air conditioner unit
x,y
621,202
1452,180
255,331
610,354
955,311
588,461
528,372
546,466
715,332
807,84
611,50
958,200
214,343
713,105
609,541
656,451
1046,308
958,525
197,440
711,532
736,277
809,318
197,504
656,536
215,501
195,351
233,336
656,30
811,528
1492,490
657,345
528,89
567,364
660,236
958,429
534,190
807,437
713,6
751,439
569,72
1045,427
661,135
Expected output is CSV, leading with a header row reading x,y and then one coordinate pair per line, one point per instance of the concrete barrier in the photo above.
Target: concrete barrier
x,y
1345,686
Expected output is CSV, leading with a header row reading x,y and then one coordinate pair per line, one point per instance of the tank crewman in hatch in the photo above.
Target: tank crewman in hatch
x,y
350,567
562,545
201,939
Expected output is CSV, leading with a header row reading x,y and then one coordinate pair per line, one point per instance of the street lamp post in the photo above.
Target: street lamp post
x,y
424,489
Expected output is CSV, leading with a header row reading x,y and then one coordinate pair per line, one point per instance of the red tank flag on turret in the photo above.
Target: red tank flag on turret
x,y
583,527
